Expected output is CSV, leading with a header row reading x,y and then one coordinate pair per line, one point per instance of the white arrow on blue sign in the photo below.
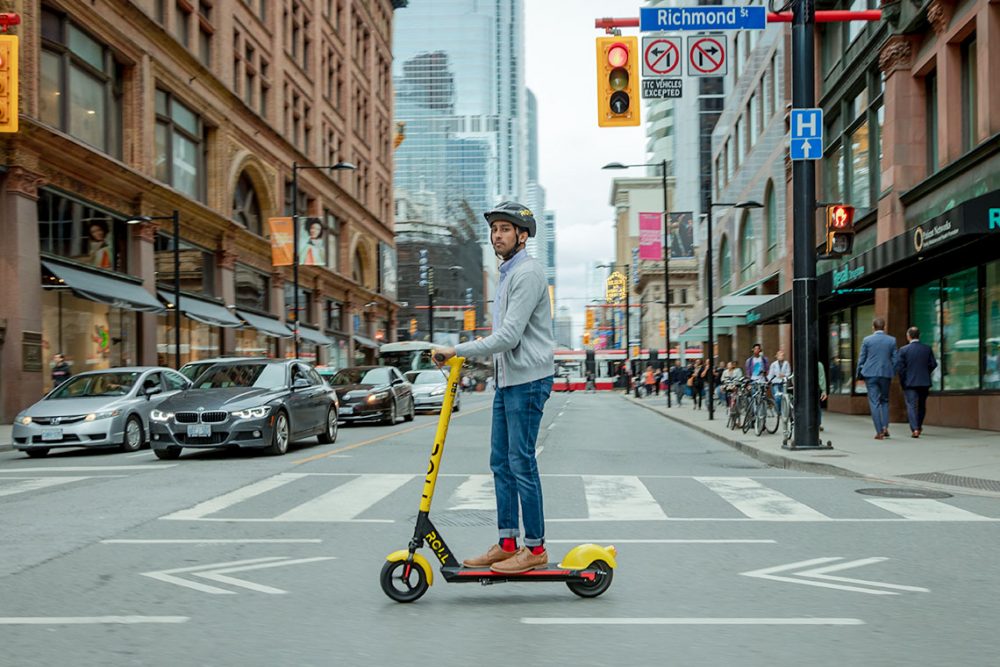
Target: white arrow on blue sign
x,y
806,134
702,18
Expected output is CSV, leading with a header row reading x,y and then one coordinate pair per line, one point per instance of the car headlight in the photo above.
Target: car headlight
x,y
94,416
25,420
377,397
252,413
160,415
437,392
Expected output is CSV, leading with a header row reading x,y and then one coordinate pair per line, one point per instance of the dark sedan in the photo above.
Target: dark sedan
x,y
260,404
370,393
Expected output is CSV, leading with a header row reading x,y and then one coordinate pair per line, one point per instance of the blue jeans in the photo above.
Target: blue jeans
x,y
517,414
878,401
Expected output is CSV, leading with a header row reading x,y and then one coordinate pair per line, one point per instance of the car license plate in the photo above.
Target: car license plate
x,y
348,410
199,430
51,434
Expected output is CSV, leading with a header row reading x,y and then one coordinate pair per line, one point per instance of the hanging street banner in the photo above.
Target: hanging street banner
x,y
650,237
658,89
701,19
282,235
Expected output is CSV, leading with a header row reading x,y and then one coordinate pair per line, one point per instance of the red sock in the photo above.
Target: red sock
x,y
537,550
508,544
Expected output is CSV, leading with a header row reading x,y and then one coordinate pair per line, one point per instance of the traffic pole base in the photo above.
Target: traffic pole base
x,y
828,445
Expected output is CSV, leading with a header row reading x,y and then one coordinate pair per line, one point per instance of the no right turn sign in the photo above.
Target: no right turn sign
x,y
707,56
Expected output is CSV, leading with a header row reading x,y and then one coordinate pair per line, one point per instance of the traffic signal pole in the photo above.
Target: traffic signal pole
x,y
805,312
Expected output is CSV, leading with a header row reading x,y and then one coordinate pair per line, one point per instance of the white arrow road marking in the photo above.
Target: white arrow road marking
x,y
820,573
691,621
475,493
217,572
89,620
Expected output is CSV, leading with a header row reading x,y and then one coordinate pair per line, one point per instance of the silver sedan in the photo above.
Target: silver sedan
x,y
428,390
97,409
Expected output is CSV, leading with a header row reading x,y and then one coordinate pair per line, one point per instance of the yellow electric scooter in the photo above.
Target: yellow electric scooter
x,y
587,569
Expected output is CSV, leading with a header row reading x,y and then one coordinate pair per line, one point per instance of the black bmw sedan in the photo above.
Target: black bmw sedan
x,y
261,404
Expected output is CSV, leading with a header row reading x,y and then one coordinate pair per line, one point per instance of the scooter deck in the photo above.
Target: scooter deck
x,y
550,572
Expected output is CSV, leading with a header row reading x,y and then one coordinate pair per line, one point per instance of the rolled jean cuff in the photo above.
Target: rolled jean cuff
x,y
510,532
533,542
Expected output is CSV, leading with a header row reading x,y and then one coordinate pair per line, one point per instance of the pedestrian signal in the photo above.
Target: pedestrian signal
x,y
8,83
839,230
617,81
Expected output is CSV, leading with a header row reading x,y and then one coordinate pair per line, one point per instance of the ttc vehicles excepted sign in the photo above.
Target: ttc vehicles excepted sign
x,y
658,89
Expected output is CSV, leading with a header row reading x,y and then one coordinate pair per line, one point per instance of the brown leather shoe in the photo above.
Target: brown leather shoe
x,y
879,436
522,561
493,555
915,434
885,433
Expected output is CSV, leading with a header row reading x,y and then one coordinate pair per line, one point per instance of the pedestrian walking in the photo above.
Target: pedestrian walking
x,y
649,379
697,382
678,381
876,366
777,376
914,365
522,350
657,379
756,365
727,382
60,370
591,386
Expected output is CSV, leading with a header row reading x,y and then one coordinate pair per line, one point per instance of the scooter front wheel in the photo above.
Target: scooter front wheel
x,y
403,581
600,583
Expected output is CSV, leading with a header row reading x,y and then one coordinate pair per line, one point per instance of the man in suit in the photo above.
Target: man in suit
x,y
915,364
876,366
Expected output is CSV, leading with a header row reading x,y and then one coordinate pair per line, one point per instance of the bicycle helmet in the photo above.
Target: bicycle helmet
x,y
517,214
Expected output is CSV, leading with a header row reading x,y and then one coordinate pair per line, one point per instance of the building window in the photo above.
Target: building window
x,y
197,265
246,206
931,124
771,211
80,232
725,266
753,120
333,241
182,23
305,303
854,153
333,315
960,324
205,32
253,289
80,85
179,146
748,250
991,328
970,118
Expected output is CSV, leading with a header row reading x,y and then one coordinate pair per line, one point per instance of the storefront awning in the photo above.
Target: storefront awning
x,y
266,325
314,336
365,342
699,332
102,288
205,312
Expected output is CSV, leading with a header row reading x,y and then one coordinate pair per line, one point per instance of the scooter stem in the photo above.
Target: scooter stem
x,y
455,363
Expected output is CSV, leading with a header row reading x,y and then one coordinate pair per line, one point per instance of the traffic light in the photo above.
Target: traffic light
x,y
586,338
589,324
839,230
663,329
617,81
8,83
423,267
413,325
469,320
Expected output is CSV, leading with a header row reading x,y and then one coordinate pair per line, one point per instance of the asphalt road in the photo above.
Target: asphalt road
x,y
236,559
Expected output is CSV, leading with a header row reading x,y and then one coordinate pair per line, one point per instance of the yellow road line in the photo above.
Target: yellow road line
x,y
380,438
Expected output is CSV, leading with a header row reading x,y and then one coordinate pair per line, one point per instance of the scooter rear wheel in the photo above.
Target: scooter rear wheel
x,y
403,586
601,582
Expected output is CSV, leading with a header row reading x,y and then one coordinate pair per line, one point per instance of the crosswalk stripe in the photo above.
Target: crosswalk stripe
x,y
475,493
27,485
620,498
758,501
220,503
347,500
925,509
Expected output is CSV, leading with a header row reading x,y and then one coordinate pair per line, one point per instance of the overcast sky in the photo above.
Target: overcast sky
x,y
560,70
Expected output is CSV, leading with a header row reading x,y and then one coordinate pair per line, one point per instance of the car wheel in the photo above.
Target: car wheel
x,y
413,411
280,435
134,436
390,417
36,452
168,453
329,436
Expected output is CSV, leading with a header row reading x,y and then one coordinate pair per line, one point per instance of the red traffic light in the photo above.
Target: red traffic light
x,y
618,55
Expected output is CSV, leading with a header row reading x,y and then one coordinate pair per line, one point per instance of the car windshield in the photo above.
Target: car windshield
x,y
98,384
262,376
428,377
361,376
192,371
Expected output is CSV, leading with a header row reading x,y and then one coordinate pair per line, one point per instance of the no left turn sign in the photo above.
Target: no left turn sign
x,y
661,56
707,56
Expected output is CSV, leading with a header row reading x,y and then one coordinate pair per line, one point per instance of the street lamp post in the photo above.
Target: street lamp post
x,y
176,219
296,167
709,288
662,164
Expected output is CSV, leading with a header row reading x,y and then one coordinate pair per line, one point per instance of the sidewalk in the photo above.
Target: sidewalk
x,y
956,460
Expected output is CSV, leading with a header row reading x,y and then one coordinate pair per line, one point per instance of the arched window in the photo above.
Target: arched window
x,y
358,271
771,213
748,248
725,266
246,206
